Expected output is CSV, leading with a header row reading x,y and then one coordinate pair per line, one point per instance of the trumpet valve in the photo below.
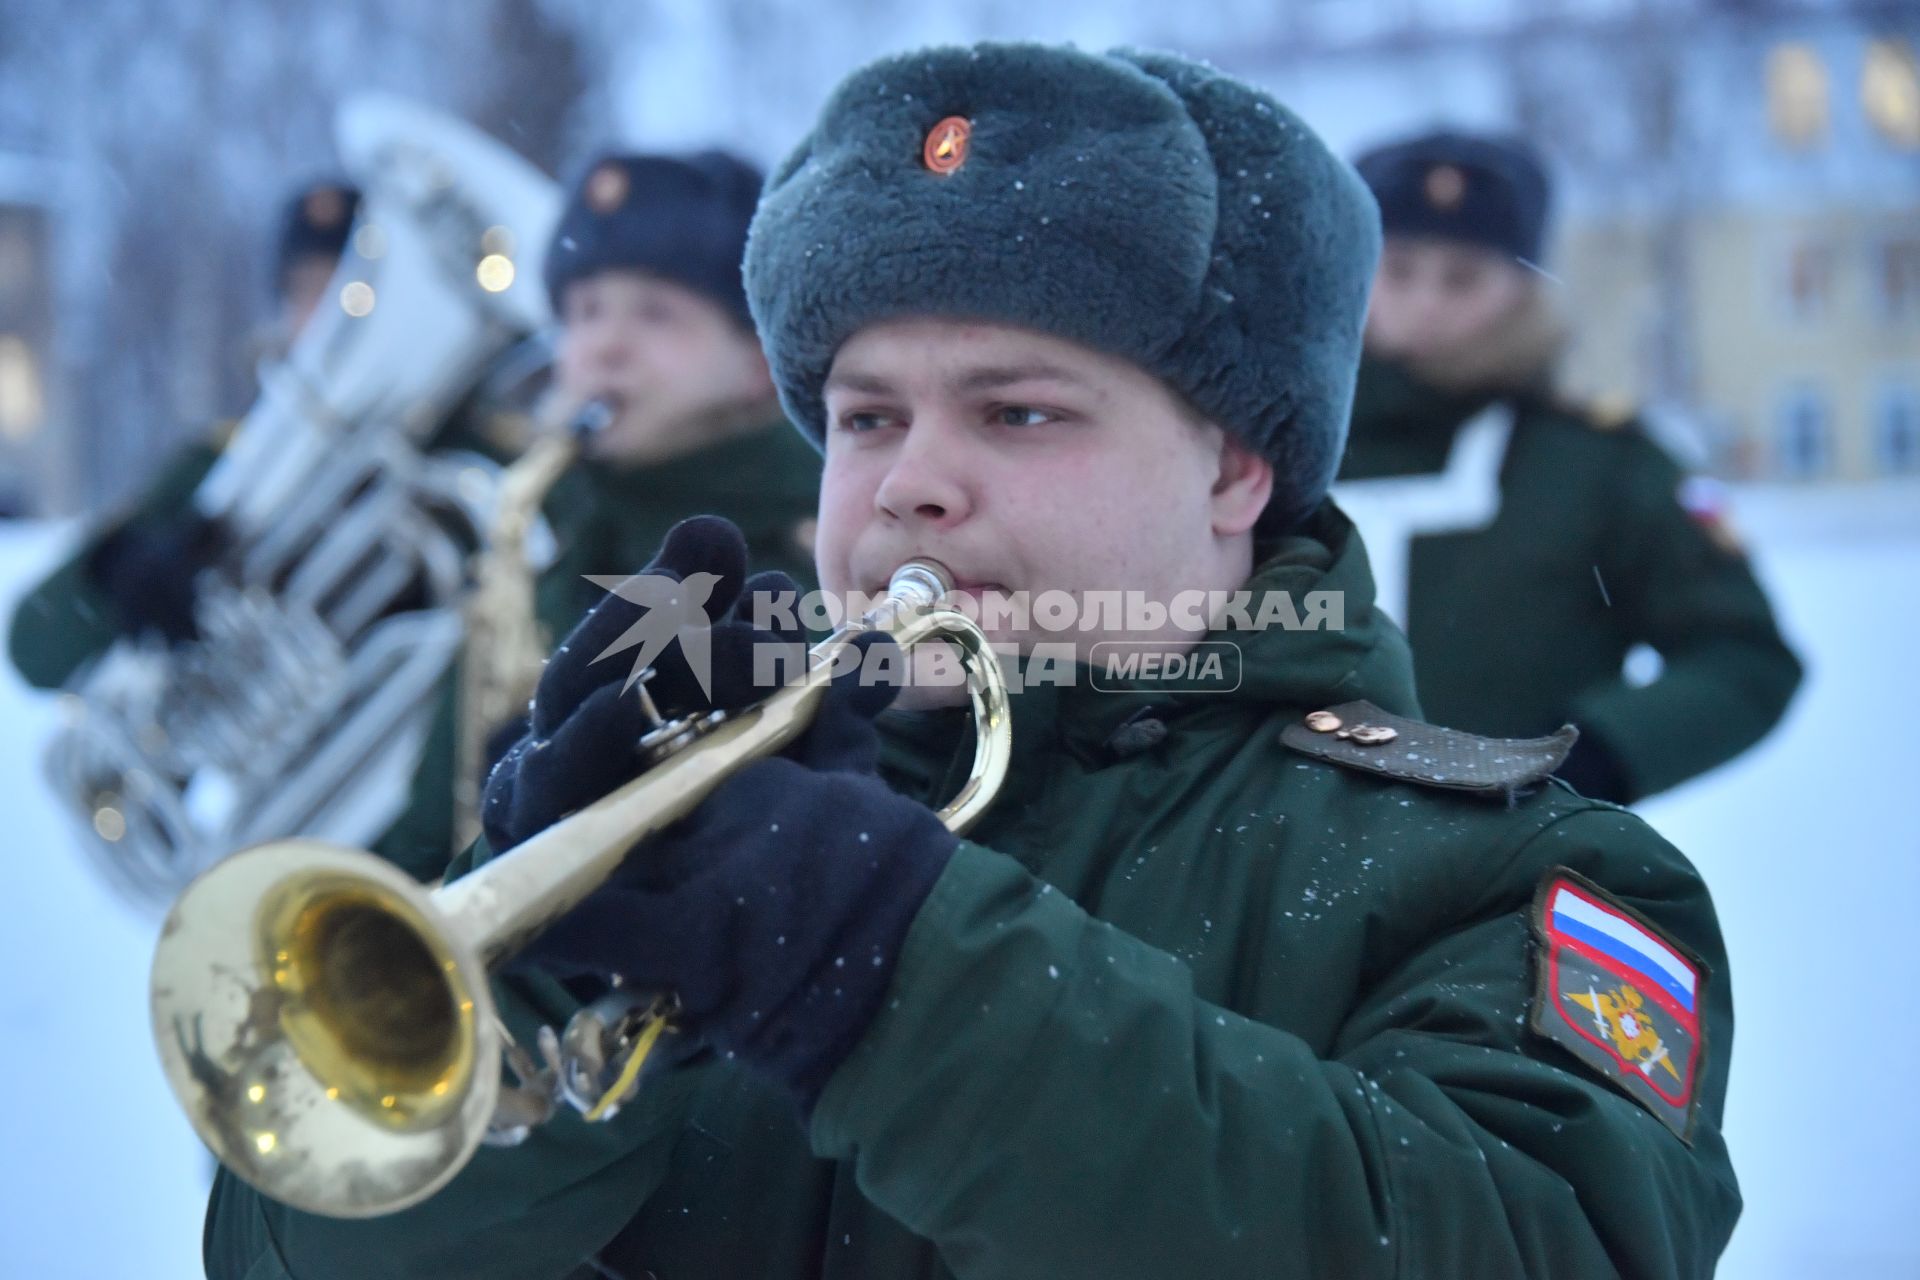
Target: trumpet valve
x,y
648,707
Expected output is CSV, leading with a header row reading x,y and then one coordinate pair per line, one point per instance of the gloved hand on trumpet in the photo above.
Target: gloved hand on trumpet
x,y
776,910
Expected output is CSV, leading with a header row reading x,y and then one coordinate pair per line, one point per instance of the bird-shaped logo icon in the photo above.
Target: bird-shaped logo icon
x,y
669,610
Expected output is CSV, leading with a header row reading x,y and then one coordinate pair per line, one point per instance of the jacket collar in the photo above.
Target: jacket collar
x,y
732,462
1390,402
1278,669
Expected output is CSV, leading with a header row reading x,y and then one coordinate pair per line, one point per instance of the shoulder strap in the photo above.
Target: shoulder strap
x,y
1361,736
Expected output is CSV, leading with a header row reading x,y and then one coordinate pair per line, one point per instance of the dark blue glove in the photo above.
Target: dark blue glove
x,y
582,739
149,567
776,909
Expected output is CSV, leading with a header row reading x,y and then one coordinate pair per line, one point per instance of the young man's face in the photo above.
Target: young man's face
x,y
1027,464
674,361
1434,298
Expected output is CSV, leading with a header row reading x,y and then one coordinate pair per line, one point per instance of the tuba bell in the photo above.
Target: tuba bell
x,y
325,630
326,1021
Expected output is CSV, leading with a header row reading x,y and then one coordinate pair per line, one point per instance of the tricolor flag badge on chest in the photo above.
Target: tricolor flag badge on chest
x,y
1621,996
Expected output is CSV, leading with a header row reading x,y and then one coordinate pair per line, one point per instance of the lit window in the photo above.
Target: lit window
x,y
1806,446
1896,431
1899,278
1890,92
1809,280
20,399
1796,95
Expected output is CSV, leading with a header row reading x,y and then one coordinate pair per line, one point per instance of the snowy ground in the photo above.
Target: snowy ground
x,y
100,1176
1812,844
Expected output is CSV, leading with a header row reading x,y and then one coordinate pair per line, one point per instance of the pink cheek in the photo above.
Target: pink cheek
x,y
846,508
569,372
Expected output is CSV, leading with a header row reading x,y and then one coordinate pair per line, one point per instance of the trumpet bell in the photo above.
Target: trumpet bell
x,y
326,1022
332,1039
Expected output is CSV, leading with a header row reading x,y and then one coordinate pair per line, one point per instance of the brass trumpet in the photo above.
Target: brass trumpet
x,y
326,1022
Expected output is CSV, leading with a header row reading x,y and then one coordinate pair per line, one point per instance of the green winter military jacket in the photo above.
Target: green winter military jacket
x,y
609,521
1524,623
1189,1002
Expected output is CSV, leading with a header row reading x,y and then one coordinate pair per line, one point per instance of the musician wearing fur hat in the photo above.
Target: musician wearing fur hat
x,y
644,276
134,574
1246,973
643,272
1529,544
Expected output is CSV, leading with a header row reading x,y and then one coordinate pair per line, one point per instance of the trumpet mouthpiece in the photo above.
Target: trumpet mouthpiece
x,y
919,584
595,416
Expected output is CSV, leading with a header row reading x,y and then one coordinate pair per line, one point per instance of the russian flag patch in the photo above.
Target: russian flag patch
x,y
1620,995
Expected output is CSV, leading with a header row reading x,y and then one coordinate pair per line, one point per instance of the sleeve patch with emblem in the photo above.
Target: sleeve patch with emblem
x,y
1621,996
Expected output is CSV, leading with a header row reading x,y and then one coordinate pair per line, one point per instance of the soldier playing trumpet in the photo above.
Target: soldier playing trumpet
x,y
1251,975
643,273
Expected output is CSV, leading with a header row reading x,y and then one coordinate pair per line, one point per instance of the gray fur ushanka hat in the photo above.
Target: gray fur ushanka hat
x,y
1139,204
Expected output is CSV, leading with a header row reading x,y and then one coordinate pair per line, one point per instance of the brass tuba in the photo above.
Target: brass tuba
x,y
326,1021
326,630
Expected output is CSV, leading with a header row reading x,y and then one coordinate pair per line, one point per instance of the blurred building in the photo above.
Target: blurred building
x,y
1801,329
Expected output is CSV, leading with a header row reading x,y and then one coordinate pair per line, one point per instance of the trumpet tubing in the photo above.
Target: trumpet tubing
x,y
327,1023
